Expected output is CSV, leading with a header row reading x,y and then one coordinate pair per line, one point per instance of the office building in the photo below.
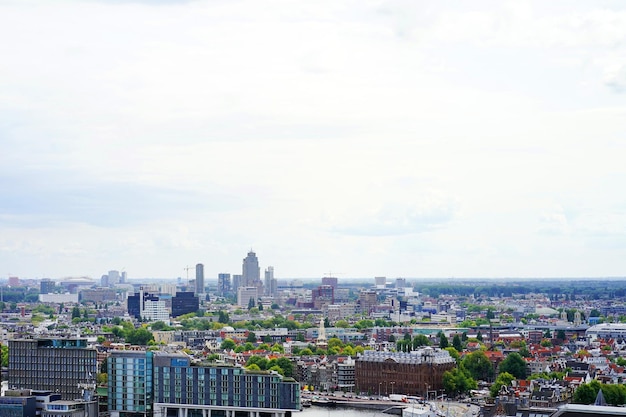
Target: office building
x,y
184,303
199,279
46,286
271,283
57,365
135,303
237,279
323,296
245,294
380,282
367,301
114,277
332,281
223,284
251,273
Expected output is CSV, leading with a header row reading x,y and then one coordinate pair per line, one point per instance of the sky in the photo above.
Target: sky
x,y
397,138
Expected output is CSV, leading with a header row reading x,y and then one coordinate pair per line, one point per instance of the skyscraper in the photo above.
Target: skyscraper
x,y
271,284
199,279
223,284
251,273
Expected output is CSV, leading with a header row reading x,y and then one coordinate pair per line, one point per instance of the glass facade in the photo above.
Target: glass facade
x,y
130,382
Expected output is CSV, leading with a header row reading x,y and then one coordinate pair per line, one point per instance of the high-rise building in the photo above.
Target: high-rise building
x,y
184,303
367,301
223,284
271,283
237,279
114,277
251,273
323,296
147,305
245,294
199,279
332,281
56,365
381,282
130,387
46,286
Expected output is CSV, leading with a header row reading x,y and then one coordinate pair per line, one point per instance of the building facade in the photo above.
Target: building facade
x,y
159,384
56,365
185,302
223,284
415,373
130,383
219,391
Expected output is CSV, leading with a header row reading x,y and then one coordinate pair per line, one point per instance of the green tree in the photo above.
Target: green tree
x,y
4,355
251,337
478,365
228,344
458,381
585,394
159,325
514,364
503,378
342,323
454,353
139,337
443,341
250,303
260,361
456,343
286,365
75,312
420,340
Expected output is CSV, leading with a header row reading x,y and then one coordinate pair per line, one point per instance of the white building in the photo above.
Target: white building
x,y
245,294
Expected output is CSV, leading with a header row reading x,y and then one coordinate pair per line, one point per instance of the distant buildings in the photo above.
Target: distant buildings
x,y
185,302
223,284
245,294
199,279
147,305
251,273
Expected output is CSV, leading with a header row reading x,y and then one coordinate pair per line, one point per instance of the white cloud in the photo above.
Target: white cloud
x,y
344,135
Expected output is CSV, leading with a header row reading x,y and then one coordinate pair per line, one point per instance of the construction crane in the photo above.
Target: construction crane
x,y
187,268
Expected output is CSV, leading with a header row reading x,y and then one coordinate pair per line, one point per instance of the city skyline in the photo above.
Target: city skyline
x,y
378,138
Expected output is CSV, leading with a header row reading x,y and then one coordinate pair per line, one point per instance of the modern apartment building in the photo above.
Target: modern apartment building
x,y
130,383
55,365
169,385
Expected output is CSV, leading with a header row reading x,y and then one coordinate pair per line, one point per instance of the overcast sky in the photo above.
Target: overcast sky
x,y
397,138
